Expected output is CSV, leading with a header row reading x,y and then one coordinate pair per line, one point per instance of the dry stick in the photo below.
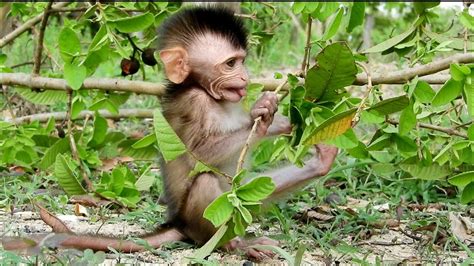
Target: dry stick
x,y
448,131
39,44
26,26
361,107
72,142
245,149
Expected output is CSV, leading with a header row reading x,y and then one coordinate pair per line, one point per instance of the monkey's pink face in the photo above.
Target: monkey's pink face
x,y
221,68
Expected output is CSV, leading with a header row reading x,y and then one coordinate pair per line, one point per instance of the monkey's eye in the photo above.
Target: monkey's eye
x,y
231,62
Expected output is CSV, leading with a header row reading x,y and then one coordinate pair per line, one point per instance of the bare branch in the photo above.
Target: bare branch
x,y
39,44
307,48
60,116
400,77
26,26
449,131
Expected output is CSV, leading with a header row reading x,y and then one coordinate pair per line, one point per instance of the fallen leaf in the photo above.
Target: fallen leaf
x,y
459,229
56,224
80,210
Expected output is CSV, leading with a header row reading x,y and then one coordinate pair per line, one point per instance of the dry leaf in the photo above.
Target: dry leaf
x,y
56,224
458,228
80,210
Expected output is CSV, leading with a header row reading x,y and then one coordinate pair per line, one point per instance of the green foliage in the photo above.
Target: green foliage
x,y
168,142
67,177
121,186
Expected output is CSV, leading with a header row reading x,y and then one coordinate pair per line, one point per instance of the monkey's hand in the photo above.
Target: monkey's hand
x,y
264,107
281,125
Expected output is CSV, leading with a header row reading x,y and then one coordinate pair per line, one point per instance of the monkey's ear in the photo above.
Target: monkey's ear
x,y
176,65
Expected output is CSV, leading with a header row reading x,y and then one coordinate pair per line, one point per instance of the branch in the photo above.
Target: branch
x,y
449,131
361,107
307,48
39,44
402,76
60,116
26,26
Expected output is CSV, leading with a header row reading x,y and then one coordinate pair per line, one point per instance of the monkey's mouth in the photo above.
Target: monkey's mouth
x,y
240,91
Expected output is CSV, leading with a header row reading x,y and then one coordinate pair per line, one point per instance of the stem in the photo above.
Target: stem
x,y
72,143
39,45
356,118
307,47
245,149
448,131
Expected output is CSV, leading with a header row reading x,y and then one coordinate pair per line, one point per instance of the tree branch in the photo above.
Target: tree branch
x,y
26,26
39,44
60,116
402,76
449,131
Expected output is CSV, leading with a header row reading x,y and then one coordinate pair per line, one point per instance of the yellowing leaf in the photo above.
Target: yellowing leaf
x,y
331,128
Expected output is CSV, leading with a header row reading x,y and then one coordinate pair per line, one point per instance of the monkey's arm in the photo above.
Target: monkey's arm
x,y
291,177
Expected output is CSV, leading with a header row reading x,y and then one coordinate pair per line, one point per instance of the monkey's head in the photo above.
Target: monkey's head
x,y
206,46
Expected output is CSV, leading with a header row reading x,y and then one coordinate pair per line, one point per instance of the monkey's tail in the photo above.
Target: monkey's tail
x,y
32,244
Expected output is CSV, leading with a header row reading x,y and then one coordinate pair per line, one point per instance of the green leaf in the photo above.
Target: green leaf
x,y
468,193
134,24
118,181
462,180
199,168
431,172
145,141
467,20
245,213
335,69
66,178
69,44
423,92
357,16
100,39
74,75
458,72
297,7
420,7
77,107
47,97
469,98
470,132
145,181
331,128
334,26
394,40
391,105
49,157
257,189
210,245
219,211
253,91
169,143
450,91
407,120
100,130
239,228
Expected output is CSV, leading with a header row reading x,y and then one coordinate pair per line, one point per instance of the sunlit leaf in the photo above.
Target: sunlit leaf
x,y
357,16
219,211
257,189
468,193
135,23
169,143
145,141
450,91
334,26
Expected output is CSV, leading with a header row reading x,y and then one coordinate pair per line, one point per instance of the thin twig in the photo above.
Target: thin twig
x,y
307,48
245,149
22,64
361,107
448,131
39,44
9,105
48,52
72,142
26,26
214,169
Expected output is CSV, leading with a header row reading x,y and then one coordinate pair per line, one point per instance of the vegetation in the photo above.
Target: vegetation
x,y
390,84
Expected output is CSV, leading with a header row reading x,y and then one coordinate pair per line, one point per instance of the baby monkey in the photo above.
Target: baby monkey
x,y
203,51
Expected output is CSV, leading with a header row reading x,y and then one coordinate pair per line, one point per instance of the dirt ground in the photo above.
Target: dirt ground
x,y
389,246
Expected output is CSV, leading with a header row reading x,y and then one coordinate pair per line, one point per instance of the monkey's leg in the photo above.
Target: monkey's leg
x,y
205,188
291,177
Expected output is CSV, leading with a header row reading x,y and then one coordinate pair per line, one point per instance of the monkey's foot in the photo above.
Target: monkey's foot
x,y
252,252
325,157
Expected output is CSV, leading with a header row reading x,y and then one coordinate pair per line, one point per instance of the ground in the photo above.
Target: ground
x,y
389,244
